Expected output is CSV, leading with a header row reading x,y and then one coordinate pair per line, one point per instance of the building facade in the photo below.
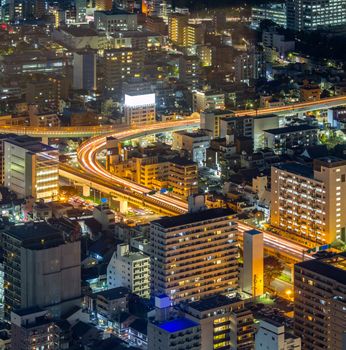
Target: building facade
x,y
129,269
194,255
40,269
31,168
308,200
319,305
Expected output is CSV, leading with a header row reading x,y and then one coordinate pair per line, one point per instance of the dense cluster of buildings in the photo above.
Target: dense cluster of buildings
x,y
255,257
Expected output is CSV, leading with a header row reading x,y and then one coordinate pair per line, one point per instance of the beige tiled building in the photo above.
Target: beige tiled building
x,y
194,255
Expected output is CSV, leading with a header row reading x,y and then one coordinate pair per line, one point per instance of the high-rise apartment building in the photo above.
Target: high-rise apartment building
x,y
129,269
221,326
140,109
320,303
183,177
309,200
253,249
31,168
250,66
120,65
194,34
194,255
40,269
312,15
177,24
84,70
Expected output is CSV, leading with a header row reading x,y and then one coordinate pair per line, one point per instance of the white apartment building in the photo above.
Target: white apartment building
x,y
192,144
31,168
129,269
309,201
272,336
202,100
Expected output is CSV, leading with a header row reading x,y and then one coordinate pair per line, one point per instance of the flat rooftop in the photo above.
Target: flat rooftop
x,y
213,302
79,31
291,129
115,12
177,325
296,168
30,144
36,236
114,293
332,267
190,218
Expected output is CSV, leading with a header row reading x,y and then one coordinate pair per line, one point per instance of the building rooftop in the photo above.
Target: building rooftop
x,y
115,12
182,161
190,218
253,232
331,267
291,129
140,325
36,236
177,325
30,144
297,168
79,31
213,302
114,293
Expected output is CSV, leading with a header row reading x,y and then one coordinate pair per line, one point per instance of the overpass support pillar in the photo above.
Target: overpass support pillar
x,y
124,207
86,191
45,140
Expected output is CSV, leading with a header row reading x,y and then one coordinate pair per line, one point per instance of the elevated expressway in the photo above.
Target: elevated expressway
x,y
90,131
94,175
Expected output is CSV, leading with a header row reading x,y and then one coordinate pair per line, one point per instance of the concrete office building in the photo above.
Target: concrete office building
x,y
291,137
309,200
253,270
193,145
194,255
275,12
111,22
31,328
221,328
129,269
84,70
211,121
312,15
271,335
320,303
41,269
31,168
140,109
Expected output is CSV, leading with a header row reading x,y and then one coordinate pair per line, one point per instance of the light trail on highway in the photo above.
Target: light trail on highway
x,y
281,244
87,157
